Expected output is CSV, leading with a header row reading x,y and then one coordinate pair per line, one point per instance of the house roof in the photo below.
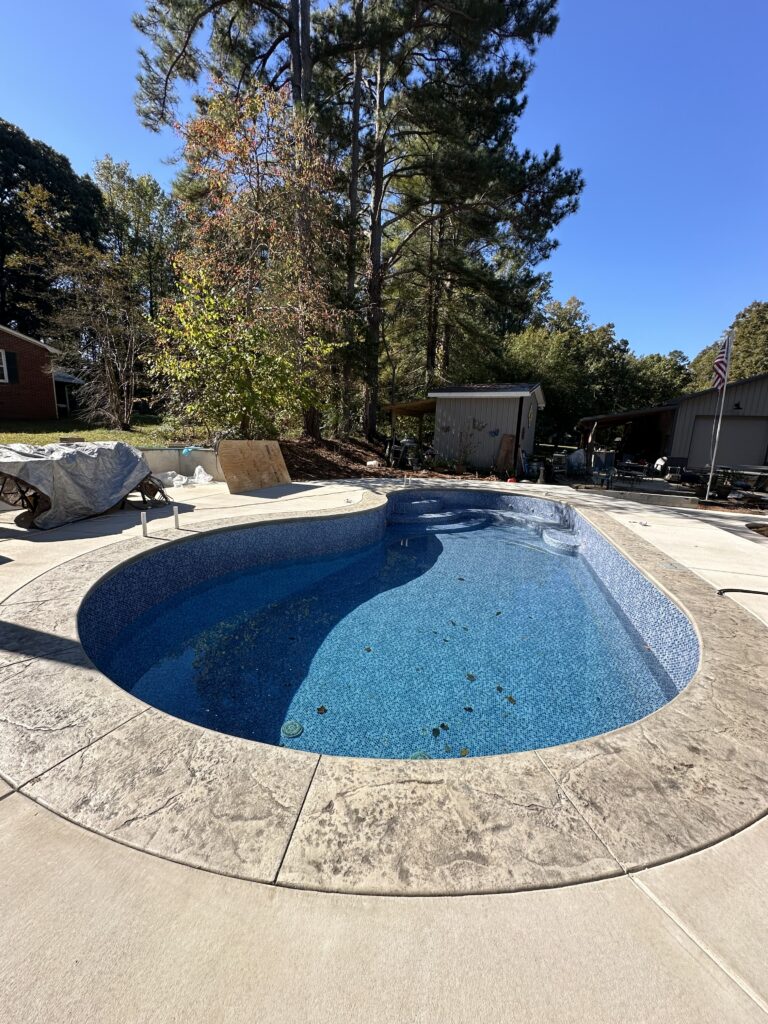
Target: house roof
x,y
518,390
26,337
61,377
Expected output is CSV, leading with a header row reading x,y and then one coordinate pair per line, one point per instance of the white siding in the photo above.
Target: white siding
x,y
474,425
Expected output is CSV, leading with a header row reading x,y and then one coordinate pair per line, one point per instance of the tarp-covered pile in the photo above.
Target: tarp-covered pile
x,y
59,483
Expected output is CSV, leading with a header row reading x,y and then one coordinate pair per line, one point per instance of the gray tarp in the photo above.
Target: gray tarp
x,y
69,481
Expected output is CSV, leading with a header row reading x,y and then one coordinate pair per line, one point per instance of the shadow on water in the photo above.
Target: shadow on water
x,y
241,674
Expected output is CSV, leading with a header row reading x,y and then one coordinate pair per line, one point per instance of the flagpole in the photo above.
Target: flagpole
x,y
720,414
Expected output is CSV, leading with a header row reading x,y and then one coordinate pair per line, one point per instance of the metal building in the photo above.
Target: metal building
x,y
682,429
744,430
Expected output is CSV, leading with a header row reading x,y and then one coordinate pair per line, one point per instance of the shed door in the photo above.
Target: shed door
x,y
743,441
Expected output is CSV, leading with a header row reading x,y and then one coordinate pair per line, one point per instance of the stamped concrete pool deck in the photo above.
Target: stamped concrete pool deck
x,y
96,930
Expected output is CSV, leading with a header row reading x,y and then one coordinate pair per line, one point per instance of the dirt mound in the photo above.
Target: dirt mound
x,y
307,459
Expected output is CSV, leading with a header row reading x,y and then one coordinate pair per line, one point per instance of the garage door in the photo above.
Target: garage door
x,y
743,441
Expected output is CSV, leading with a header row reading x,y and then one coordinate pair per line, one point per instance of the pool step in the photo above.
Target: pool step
x,y
417,506
445,516
561,540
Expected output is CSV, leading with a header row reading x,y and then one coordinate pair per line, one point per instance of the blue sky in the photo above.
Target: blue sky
x,y
662,103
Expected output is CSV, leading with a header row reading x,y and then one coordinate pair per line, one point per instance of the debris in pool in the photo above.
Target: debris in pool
x,y
322,709
464,752
498,613
511,699
499,689
291,729
460,578
470,677
448,748
444,726
368,650
467,708
420,755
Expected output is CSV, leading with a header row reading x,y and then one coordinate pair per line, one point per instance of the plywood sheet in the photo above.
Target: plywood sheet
x,y
250,465
506,454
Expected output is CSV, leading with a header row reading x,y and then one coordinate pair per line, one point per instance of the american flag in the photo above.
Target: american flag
x,y
722,359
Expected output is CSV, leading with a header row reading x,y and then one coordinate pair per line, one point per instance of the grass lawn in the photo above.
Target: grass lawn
x,y
143,435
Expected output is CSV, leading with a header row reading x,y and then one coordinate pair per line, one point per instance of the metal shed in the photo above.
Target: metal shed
x,y
744,431
476,424
682,430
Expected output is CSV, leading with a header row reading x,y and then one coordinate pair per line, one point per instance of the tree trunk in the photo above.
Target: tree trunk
x,y
306,56
312,423
374,317
431,355
352,230
294,43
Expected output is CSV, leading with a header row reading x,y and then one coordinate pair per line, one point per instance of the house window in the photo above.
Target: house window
x,y
3,367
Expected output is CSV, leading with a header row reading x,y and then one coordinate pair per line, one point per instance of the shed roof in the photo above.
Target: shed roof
x,y
629,414
517,390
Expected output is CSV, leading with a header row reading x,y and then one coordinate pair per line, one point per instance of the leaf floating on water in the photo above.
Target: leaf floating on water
x,y
420,755
452,622
322,709
470,677
444,727
464,752
498,613
468,708
499,689
368,650
461,578
436,732
511,699
448,748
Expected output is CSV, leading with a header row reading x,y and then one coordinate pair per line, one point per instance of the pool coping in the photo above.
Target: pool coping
x,y
689,775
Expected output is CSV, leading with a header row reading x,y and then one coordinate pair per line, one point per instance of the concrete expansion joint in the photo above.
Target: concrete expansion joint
x,y
705,948
275,880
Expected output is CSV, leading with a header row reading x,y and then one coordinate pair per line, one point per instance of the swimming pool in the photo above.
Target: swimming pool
x,y
450,623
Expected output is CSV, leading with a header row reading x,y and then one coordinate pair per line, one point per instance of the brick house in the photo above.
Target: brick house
x,y
28,388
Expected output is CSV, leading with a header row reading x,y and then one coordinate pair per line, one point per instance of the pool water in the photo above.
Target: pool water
x,y
455,636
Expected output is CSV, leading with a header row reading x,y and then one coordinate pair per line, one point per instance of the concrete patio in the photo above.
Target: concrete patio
x,y
95,931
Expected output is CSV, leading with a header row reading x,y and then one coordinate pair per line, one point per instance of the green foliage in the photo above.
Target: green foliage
x,y
582,368
220,370
102,294
141,224
74,204
750,349
255,270
416,106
